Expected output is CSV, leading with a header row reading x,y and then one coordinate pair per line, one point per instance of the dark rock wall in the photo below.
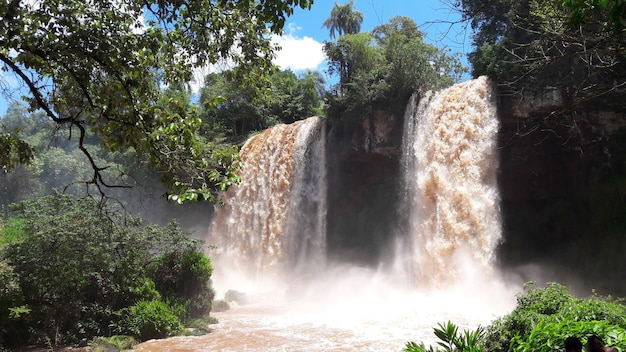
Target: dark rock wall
x,y
363,179
563,192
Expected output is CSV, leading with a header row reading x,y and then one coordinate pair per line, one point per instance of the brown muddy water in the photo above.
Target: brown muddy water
x,y
361,311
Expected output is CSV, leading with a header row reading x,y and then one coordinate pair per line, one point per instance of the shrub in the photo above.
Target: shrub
x,y
220,306
185,276
549,336
149,320
115,342
541,321
544,317
80,263
237,297
451,340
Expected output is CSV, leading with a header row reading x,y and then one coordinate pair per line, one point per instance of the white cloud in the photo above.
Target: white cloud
x,y
295,54
298,53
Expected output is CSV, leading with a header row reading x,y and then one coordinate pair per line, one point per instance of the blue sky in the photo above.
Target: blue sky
x,y
304,35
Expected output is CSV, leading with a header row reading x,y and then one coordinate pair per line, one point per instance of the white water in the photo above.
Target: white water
x,y
451,193
275,218
272,229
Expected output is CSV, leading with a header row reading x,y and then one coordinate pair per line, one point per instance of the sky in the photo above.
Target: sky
x,y
304,35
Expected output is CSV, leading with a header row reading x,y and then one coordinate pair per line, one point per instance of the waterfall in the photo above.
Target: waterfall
x,y
276,217
450,188
449,209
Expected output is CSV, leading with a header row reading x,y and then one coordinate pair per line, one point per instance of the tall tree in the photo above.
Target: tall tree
x,y
382,69
98,66
344,20
236,114
574,46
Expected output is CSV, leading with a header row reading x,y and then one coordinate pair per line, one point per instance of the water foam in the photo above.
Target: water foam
x,y
451,192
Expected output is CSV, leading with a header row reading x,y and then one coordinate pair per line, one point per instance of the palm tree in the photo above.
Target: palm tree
x,y
344,20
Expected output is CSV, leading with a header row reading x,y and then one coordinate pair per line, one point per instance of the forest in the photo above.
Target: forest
x,y
105,136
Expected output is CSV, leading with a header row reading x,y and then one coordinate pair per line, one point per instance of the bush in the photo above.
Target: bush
x,y
549,336
79,264
541,321
115,342
185,276
237,297
544,317
149,320
450,339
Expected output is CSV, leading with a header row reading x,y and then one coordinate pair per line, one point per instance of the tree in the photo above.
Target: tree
x,y
84,269
382,69
348,54
580,11
344,20
234,112
527,45
231,109
413,64
295,98
98,68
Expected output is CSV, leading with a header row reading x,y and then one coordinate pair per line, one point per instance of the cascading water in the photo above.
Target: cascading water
x,y
451,196
275,218
275,221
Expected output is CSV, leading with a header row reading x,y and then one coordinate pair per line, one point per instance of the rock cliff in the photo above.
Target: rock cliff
x,y
363,179
563,190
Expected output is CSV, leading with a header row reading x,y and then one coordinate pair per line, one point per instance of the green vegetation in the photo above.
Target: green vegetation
x,y
81,269
542,320
577,47
100,69
232,112
382,69
343,19
450,340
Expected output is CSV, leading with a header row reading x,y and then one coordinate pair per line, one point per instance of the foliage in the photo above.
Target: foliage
x,y
82,269
59,165
220,306
549,336
527,45
12,231
184,274
233,112
545,316
382,69
117,342
235,296
542,320
150,320
14,151
350,54
581,10
450,340
343,19
100,68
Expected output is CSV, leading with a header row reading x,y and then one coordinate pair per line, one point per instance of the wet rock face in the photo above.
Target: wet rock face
x,y
563,182
363,178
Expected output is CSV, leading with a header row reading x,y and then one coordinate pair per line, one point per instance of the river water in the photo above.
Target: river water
x,y
351,309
